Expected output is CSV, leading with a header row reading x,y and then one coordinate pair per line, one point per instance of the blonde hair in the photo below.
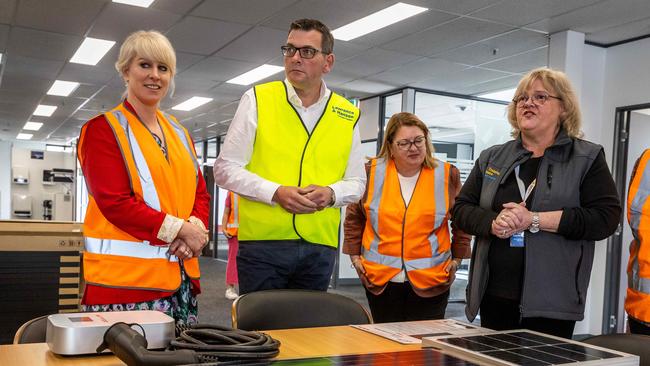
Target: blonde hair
x,y
558,84
398,120
152,45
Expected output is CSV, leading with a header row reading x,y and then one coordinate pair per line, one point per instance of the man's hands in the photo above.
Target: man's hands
x,y
304,200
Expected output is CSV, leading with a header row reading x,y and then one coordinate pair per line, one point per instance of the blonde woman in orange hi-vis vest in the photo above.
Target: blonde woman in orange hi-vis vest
x,y
637,301
398,235
147,201
229,227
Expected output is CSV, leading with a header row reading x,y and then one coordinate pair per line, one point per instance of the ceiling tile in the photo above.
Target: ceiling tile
x,y
247,12
217,69
333,13
185,60
423,68
267,40
87,74
41,44
7,9
117,21
508,44
451,35
462,79
506,82
4,37
521,63
375,60
518,12
455,6
344,50
214,35
61,16
29,67
175,6
366,86
621,32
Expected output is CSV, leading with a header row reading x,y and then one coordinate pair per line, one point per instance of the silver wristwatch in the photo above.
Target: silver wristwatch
x,y
534,225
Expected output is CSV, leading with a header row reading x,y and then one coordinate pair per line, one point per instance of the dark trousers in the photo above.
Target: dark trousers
x,y
638,327
503,314
278,264
400,303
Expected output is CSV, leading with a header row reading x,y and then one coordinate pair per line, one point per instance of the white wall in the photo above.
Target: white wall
x,y
5,180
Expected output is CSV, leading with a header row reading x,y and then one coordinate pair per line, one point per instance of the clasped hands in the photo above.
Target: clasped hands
x,y
304,200
514,218
189,242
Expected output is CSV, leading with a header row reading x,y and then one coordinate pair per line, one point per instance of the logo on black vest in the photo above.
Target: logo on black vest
x,y
346,114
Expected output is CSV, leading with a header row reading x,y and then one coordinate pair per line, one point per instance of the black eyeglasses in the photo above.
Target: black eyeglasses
x,y
406,144
305,52
538,99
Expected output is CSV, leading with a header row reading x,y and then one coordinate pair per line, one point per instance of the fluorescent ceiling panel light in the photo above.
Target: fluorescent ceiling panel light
x,y
256,74
91,51
505,95
33,126
378,20
0,57
44,110
24,136
63,88
140,3
191,103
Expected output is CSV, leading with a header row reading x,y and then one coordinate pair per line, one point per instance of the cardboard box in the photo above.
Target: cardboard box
x,y
39,271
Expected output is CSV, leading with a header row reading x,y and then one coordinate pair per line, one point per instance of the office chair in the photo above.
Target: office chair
x,y
32,331
635,344
291,308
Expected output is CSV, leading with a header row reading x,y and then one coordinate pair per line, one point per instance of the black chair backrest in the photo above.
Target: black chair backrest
x,y
635,344
32,331
283,309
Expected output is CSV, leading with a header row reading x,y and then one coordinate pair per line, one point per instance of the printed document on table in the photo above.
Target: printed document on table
x,y
413,332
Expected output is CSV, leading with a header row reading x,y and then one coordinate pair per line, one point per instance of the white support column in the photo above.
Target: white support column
x,y
566,50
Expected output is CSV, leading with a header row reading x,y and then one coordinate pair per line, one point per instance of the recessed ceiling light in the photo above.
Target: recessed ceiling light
x,y
63,88
45,110
91,51
191,103
378,20
140,3
24,136
0,57
33,126
504,95
258,73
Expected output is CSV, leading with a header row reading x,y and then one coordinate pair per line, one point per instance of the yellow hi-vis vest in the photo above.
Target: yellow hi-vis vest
x,y
114,258
637,301
413,236
232,226
286,153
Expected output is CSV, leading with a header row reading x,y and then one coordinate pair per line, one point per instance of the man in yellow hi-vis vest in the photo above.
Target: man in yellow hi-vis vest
x,y
637,300
293,155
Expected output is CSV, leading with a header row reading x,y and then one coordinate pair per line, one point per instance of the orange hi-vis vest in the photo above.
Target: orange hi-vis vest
x,y
637,302
232,226
413,236
114,258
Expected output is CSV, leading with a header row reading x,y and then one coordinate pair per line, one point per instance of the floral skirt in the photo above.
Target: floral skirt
x,y
182,305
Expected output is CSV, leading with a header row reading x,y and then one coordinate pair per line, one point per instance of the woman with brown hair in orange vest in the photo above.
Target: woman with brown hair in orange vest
x,y
398,235
147,201
230,228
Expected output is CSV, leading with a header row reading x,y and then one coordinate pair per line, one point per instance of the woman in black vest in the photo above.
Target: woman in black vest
x,y
536,204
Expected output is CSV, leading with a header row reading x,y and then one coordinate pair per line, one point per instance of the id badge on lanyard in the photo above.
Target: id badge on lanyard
x,y
517,239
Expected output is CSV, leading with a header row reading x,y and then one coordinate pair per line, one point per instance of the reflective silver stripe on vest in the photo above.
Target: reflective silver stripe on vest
x,y
635,282
149,192
373,255
181,134
128,249
235,212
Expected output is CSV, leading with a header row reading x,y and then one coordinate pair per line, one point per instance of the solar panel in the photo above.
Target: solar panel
x,y
529,348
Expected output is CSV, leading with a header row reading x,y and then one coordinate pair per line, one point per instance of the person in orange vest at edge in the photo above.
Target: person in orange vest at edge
x,y
148,204
637,301
229,226
293,155
398,235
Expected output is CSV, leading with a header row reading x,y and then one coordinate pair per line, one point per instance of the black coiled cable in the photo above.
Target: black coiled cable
x,y
212,342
